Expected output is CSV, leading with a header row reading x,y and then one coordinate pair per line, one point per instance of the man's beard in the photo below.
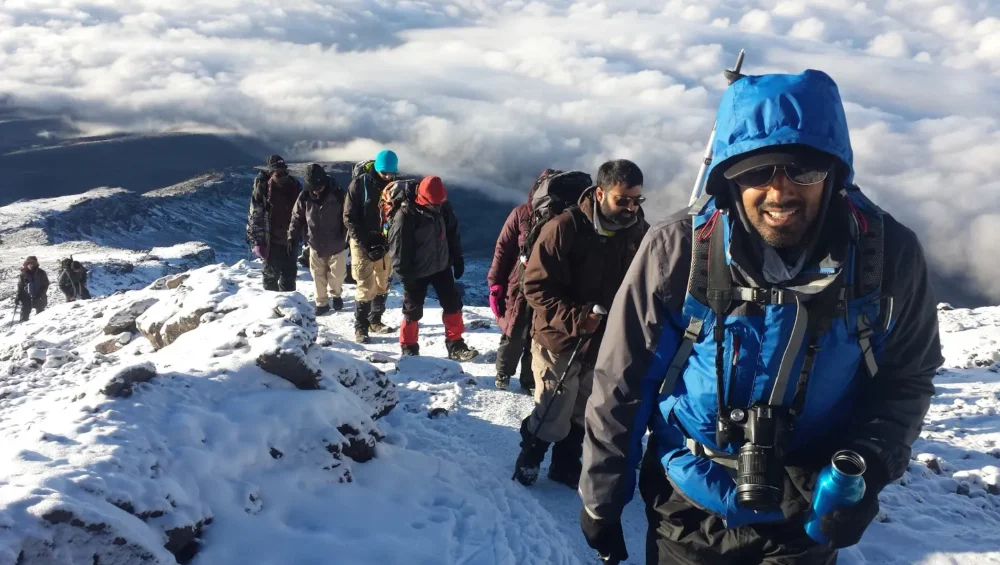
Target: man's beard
x,y
620,218
781,237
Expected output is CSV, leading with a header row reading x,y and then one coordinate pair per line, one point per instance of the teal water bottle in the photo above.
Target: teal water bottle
x,y
839,484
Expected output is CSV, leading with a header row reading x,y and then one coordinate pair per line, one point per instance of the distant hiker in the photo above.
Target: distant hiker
x,y
426,251
781,319
579,260
507,301
274,196
371,268
73,280
318,217
32,288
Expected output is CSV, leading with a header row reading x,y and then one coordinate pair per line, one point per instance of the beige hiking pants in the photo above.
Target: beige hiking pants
x,y
372,277
328,273
569,405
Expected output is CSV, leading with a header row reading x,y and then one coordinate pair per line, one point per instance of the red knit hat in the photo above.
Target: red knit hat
x,y
431,192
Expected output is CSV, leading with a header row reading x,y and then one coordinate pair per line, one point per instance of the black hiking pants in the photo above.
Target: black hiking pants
x,y
38,304
515,348
681,534
281,268
415,294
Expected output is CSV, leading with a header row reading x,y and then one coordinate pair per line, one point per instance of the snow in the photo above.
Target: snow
x,y
186,446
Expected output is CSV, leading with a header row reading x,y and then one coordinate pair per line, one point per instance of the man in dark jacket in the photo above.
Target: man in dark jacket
x,y
32,288
828,330
578,261
274,195
318,217
371,268
73,280
426,249
507,301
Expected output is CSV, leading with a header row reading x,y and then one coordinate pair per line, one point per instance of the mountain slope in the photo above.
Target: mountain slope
x,y
112,230
438,489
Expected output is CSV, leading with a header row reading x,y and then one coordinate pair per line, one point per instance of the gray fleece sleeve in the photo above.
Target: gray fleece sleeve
x,y
642,335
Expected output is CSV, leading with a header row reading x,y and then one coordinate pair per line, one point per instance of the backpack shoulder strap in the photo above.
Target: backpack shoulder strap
x,y
868,266
706,220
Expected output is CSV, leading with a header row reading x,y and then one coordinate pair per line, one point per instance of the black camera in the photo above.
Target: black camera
x,y
760,463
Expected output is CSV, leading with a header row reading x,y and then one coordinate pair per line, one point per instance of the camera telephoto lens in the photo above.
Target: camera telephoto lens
x,y
759,484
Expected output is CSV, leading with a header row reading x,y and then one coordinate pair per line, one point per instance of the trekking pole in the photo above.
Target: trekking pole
x,y
13,315
699,183
600,311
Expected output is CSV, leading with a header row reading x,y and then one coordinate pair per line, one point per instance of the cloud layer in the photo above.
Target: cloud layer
x,y
493,91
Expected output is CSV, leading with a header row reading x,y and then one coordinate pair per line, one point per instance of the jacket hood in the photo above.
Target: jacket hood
x,y
431,192
768,111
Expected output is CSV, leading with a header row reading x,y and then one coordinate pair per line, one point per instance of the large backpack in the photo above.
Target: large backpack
x,y
393,196
258,218
362,167
554,192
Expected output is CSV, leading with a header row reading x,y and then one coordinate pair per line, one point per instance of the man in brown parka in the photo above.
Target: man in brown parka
x,y
578,261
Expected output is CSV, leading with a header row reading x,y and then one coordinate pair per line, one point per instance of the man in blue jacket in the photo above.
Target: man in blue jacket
x,y
783,318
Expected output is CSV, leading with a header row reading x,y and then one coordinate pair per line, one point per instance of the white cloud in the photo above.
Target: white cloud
x,y
493,91
790,9
756,21
809,28
889,44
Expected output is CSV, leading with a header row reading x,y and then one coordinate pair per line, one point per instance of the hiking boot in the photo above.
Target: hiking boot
x,y
409,350
527,385
459,351
361,336
566,454
321,310
530,459
503,381
338,303
566,473
361,312
380,328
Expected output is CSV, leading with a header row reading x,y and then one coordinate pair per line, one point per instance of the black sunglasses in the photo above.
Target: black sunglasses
x,y
626,200
763,175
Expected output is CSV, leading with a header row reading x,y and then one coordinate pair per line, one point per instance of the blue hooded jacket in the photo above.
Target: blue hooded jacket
x,y
651,317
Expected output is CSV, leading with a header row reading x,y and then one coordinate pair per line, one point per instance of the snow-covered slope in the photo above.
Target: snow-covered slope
x,y
215,459
152,427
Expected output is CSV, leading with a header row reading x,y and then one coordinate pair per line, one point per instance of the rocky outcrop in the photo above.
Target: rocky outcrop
x,y
124,320
122,382
291,366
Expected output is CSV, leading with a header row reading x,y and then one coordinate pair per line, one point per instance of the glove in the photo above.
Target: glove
x,y
845,526
605,536
497,301
260,250
376,252
459,268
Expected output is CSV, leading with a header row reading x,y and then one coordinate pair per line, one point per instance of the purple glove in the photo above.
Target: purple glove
x,y
497,301
260,251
